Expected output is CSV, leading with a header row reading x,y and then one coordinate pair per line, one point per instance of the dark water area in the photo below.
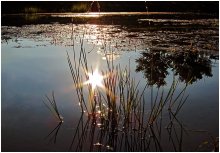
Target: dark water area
x,y
166,68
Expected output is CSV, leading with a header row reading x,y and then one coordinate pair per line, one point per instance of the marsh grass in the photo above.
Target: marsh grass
x,y
50,103
120,116
134,134
121,92
117,114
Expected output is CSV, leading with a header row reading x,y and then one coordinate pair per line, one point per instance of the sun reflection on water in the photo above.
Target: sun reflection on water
x,y
83,15
95,79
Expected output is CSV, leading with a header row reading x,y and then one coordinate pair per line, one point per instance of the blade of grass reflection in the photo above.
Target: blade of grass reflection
x,y
156,142
178,139
77,129
52,106
83,136
56,129
181,138
180,94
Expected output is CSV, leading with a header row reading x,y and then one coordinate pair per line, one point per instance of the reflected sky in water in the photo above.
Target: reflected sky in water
x,y
34,63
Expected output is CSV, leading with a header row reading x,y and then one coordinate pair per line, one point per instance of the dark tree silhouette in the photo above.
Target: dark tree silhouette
x,y
94,7
188,66
155,67
191,66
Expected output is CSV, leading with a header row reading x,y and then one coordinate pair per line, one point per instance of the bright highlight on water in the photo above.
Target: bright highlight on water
x,y
95,79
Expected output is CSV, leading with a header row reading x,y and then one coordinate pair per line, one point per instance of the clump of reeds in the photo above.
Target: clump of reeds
x,y
120,95
50,103
130,129
119,108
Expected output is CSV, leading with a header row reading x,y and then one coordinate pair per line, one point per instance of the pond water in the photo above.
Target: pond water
x,y
153,49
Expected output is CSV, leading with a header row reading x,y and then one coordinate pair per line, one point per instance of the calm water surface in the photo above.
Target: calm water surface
x,y
159,47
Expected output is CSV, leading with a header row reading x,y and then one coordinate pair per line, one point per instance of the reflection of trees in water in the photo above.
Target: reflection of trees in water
x,y
154,66
189,66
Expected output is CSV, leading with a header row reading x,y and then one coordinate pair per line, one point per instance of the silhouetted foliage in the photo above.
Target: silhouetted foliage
x,y
189,66
155,66
113,6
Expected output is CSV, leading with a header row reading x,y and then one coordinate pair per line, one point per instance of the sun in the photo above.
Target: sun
x,y
95,79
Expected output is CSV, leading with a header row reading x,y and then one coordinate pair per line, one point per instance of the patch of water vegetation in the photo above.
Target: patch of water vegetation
x,y
131,83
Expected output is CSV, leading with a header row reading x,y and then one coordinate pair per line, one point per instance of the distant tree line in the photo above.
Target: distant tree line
x,y
8,7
